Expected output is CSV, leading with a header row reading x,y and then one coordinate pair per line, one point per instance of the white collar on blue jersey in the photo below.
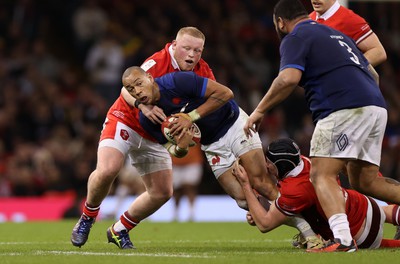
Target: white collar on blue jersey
x,y
173,61
331,11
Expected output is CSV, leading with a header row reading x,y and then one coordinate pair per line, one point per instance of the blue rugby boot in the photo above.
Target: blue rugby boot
x,y
121,239
80,233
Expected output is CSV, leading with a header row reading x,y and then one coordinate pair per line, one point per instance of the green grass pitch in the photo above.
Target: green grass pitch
x,y
48,243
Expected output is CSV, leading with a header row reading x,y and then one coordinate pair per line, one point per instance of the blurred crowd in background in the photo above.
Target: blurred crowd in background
x,y
61,64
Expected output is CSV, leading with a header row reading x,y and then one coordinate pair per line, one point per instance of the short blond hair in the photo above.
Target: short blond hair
x,y
191,31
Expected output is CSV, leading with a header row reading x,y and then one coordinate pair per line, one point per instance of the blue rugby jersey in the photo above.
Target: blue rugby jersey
x,y
335,74
186,90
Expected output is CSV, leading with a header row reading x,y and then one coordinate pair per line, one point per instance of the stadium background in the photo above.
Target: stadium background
x,y
54,92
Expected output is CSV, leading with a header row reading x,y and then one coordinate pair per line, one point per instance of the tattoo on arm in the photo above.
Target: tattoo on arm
x,y
392,181
218,100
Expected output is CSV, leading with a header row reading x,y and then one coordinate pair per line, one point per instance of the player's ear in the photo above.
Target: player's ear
x,y
174,44
151,78
281,23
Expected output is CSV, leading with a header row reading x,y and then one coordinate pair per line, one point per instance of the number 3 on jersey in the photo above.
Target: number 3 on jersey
x,y
354,57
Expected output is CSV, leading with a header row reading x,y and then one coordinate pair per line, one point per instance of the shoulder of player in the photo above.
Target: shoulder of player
x,y
156,67
349,15
202,69
313,15
158,63
202,64
292,192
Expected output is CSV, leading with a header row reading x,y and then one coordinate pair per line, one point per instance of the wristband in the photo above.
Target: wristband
x,y
181,149
137,103
180,152
194,116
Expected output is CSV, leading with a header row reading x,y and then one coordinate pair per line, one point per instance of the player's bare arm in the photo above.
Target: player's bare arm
x,y
280,89
152,112
373,50
217,95
264,220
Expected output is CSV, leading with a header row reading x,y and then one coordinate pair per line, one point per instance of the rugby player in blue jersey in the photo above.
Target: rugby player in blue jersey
x,y
210,105
347,107
218,116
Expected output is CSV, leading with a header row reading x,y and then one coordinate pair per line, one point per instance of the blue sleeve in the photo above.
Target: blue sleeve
x,y
153,130
190,84
293,53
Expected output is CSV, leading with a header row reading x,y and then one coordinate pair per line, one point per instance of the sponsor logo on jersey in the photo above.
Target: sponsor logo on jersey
x,y
118,114
148,64
342,142
365,27
336,37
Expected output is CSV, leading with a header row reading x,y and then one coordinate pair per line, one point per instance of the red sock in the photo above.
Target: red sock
x,y
396,215
389,243
91,211
128,221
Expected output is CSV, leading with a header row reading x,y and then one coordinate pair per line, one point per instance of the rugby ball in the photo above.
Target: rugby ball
x,y
166,131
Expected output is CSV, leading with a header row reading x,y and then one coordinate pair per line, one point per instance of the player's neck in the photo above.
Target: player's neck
x,y
296,21
156,92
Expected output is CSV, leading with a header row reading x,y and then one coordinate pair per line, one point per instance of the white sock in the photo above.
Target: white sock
x,y
302,225
118,226
340,228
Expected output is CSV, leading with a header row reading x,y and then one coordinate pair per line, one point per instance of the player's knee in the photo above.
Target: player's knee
x,y
363,187
161,193
314,177
161,198
167,193
242,204
107,173
104,175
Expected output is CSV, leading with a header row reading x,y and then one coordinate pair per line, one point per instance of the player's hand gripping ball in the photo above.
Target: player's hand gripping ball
x,y
166,131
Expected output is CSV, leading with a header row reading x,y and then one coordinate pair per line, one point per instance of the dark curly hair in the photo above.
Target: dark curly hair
x,y
290,9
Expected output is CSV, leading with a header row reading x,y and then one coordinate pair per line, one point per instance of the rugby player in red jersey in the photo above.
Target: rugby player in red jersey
x,y
298,197
122,136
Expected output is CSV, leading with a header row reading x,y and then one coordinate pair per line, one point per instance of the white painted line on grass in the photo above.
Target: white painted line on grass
x,y
40,252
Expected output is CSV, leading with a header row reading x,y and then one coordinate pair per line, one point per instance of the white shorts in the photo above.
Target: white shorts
x,y
147,156
223,153
351,133
187,174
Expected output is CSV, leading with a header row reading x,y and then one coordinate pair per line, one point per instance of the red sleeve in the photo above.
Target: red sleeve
x,y
204,70
296,195
349,23
313,15
159,63
357,26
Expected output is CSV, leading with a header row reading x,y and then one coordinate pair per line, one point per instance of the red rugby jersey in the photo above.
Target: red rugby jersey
x,y
347,22
297,196
161,63
157,65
